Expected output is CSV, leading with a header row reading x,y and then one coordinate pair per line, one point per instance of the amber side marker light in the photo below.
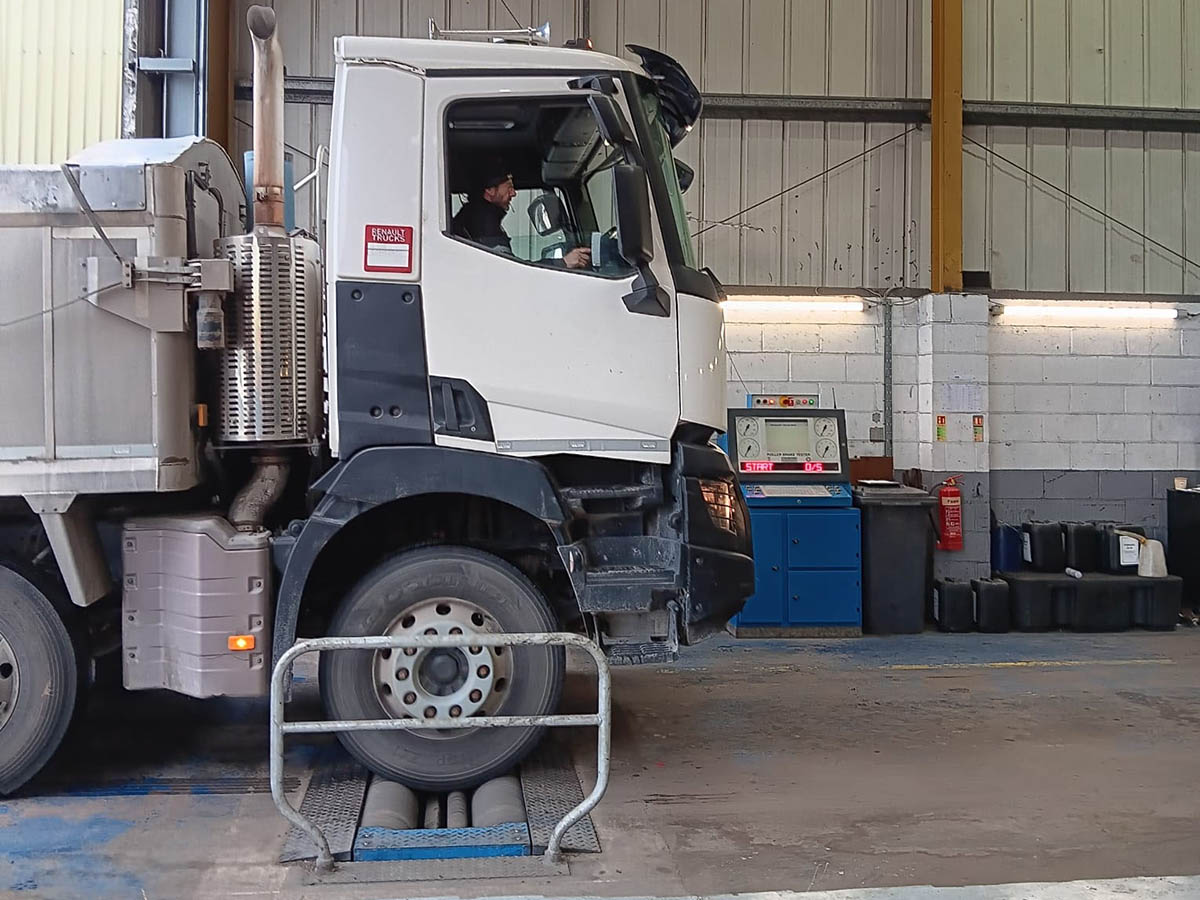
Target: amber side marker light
x,y
241,642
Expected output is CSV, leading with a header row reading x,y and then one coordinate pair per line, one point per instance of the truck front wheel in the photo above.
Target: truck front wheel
x,y
446,591
39,679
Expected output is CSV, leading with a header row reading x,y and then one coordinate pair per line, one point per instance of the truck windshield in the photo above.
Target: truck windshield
x,y
658,154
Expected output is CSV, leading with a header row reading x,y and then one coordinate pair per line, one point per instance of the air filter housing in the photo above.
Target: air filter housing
x,y
270,373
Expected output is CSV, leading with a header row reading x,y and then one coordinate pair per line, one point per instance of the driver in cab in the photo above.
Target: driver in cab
x,y
481,216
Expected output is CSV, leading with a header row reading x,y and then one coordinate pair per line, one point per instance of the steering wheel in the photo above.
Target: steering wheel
x,y
557,250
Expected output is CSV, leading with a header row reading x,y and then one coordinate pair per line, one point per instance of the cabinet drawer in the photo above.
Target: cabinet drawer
x,y
824,597
824,539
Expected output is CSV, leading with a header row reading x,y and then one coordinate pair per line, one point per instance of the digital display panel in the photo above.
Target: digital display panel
x,y
768,466
782,444
788,437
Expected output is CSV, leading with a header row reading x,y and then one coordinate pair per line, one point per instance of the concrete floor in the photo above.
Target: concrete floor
x,y
751,766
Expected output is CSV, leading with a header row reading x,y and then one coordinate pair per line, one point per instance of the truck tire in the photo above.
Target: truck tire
x,y
442,590
39,678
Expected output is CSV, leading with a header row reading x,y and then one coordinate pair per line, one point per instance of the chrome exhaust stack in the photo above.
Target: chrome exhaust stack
x,y
268,116
269,396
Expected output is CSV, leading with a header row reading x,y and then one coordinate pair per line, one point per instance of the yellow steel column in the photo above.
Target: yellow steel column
x,y
946,114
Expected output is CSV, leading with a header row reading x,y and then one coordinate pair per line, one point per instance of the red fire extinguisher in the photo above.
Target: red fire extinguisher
x,y
950,529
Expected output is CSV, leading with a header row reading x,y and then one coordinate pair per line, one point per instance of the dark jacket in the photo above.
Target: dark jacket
x,y
479,221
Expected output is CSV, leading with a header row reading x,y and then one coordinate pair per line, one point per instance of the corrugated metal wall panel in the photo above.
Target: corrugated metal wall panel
x,y
867,224
1031,236
60,77
854,227
1116,52
851,48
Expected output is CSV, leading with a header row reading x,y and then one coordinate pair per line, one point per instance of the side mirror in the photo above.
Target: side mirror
x,y
686,175
635,238
546,214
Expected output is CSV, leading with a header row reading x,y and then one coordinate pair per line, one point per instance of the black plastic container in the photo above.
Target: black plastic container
x,y
897,536
1081,544
1100,603
1156,602
953,605
1183,537
1031,600
1043,549
1118,554
992,613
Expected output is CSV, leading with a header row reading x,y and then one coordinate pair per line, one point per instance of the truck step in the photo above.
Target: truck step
x,y
647,493
640,654
642,576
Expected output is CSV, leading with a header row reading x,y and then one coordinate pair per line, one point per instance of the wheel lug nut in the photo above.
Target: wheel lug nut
x,y
474,650
456,630
431,631
410,697
430,712
476,695
401,674
455,712
410,651
483,672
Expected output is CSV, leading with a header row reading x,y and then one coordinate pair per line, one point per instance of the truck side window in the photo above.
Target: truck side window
x,y
559,209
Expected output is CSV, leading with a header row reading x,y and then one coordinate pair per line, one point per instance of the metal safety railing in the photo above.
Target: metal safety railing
x,y
601,719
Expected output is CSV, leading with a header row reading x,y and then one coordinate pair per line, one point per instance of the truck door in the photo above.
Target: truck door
x,y
562,361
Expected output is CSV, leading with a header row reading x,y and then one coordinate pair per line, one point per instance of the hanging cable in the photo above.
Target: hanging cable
x,y
291,147
733,362
811,178
45,312
513,14
1081,201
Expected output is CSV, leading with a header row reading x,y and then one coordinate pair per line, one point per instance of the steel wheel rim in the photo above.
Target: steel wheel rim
x,y
436,682
10,681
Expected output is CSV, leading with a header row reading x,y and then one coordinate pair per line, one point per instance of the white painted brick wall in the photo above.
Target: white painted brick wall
x,y
1187,400
1106,398
1095,398
792,338
1108,456
1173,371
1123,370
1096,341
1059,396
1014,369
819,367
1068,428
1123,427
742,338
759,366
1038,454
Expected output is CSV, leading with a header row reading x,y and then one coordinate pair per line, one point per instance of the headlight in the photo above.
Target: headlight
x,y
718,497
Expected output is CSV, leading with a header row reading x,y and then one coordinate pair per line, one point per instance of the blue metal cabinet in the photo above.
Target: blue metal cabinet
x,y
807,533
808,570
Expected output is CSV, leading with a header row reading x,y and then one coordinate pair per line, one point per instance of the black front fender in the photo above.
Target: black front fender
x,y
381,475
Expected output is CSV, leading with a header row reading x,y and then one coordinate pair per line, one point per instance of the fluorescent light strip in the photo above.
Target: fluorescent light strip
x,y
1067,310
787,303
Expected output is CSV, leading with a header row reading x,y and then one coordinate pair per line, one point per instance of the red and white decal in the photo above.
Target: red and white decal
x,y
388,248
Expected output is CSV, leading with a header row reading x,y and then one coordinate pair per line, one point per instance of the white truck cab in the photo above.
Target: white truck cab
x,y
566,364
220,436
